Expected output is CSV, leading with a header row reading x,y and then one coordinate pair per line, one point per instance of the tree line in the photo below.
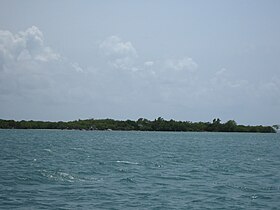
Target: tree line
x,y
141,124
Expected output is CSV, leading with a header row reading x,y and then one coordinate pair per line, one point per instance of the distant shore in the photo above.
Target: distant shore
x,y
141,124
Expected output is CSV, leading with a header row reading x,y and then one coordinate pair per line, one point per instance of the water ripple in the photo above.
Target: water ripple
x,y
138,170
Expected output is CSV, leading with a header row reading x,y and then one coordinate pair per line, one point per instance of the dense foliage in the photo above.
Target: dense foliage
x,y
141,124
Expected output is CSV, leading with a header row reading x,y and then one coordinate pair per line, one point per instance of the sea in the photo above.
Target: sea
x,y
70,169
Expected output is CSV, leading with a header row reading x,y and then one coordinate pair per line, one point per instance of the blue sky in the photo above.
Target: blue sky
x,y
185,60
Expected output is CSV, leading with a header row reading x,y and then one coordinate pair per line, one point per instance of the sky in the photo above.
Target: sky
x,y
189,60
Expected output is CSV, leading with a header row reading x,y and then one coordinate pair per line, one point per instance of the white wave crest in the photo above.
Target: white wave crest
x,y
127,162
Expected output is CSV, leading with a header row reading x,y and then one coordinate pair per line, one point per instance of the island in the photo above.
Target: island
x,y
141,124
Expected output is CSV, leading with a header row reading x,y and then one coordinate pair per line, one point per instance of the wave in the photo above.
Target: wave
x,y
58,176
127,162
48,150
90,179
77,149
127,180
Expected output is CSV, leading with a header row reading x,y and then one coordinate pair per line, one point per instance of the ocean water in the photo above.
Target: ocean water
x,y
53,169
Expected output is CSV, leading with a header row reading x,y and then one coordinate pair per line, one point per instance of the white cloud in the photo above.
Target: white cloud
x,y
25,45
184,64
24,55
28,65
114,46
125,63
120,55
160,81
47,55
222,71
149,63
77,67
33,36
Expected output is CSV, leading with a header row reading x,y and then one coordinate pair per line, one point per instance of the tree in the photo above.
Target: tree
x,y
230,125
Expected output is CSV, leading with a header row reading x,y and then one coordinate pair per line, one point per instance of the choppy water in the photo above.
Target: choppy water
x,y
42,169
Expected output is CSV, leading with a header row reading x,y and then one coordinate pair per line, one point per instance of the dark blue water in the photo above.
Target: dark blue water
x,y
42,169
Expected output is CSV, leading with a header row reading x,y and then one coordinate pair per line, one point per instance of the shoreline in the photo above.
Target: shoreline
x,y
141,124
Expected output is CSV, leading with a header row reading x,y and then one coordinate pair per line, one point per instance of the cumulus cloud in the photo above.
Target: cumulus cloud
x,y
162,81
113,45
28,65
25,45
125,63
184,64
120,54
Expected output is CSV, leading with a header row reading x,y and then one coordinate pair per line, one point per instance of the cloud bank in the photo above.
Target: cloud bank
x,y
36,82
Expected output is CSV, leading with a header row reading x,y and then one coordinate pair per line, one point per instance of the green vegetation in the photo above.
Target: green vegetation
x,y
141,124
